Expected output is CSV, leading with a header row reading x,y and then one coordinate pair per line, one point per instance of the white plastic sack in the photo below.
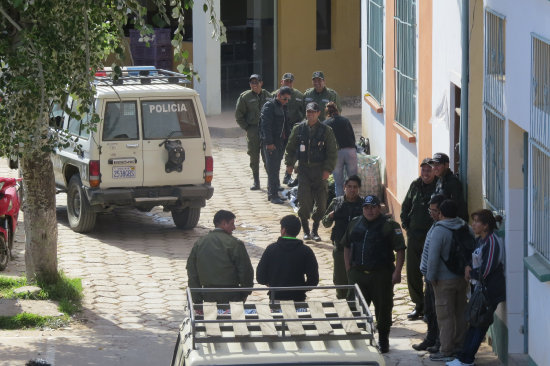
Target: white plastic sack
x,y
368,169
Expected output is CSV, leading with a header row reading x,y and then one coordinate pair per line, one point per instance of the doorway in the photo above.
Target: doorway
x,y
455,128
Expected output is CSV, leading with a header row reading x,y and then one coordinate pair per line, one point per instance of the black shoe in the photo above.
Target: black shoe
x,y
307,236
315,236
384,345
255,186
293,183
277,201
415,314
422,346
287,178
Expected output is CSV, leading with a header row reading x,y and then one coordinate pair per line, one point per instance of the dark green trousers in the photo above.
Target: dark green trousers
x,y
377,288
312,190
253,142
340,276
414,276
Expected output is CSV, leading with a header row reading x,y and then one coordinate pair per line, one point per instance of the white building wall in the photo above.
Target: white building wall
x,y
446,69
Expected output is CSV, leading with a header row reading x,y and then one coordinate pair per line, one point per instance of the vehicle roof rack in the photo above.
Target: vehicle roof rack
x,y
279,321
139,75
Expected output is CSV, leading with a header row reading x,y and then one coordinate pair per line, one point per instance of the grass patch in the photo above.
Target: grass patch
x,y
26,321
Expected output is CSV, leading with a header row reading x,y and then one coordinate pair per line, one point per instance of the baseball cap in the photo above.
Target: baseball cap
x,y
312,106
371,200
425,161
440,158
288,76
255,76
318,74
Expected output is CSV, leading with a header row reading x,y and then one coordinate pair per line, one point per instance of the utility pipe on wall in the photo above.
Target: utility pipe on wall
x,y
464,92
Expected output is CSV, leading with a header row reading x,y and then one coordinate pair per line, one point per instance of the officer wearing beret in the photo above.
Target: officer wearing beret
x,y
320,94
247,114
369,245
313,144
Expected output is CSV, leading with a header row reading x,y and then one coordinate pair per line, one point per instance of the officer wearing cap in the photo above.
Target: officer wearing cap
x,y
416,219
369,245
448,183
312,144
247,114
320,94
295,107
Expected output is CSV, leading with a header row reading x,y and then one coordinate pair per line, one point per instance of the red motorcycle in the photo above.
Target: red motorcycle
x,y
9,212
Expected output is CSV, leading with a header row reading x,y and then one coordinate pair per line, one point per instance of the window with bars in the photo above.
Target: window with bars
x,y
539,141
493,105
375,49
324,32
405,63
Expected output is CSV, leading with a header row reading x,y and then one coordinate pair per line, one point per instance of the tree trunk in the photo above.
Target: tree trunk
x,y
40,216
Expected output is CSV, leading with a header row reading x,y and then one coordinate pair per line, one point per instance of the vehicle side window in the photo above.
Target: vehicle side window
x,y
169,118
120,121
77,126
56,116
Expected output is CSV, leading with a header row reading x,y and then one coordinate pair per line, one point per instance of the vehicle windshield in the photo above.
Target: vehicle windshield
x,y
162,117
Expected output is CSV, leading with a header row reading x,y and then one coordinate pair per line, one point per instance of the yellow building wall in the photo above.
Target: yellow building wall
x,y
296,45
475,133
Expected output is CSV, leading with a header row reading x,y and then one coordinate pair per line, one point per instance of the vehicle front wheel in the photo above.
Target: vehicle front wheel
x,y
4,253
81,216
187,218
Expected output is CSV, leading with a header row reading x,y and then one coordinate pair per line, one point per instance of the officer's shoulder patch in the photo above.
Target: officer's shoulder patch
x,y
398,232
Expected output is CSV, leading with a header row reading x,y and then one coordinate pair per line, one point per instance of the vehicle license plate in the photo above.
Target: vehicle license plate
x,y
124,172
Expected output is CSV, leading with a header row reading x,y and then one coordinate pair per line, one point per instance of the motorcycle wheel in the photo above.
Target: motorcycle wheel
x,y
4,254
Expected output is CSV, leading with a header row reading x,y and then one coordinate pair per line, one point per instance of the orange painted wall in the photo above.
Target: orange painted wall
x,y
389,57
425,24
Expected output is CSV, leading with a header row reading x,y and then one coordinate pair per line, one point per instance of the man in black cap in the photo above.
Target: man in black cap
x,y
295,107
320,94
274,131
313,144
247,114
369,245
416,219
448,183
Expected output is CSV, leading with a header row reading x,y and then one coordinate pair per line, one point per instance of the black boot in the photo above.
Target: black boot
x,y
287,178
314,235
256,185
384,342
305,227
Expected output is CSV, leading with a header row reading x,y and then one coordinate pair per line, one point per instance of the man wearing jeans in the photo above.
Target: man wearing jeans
x,y
449,288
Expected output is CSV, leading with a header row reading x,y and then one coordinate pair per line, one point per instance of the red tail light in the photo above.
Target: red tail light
x,y
208,169
95,174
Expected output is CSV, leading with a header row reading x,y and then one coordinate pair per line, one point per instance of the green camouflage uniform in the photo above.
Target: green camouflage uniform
x,y
312,187
247,114
219,259
322,98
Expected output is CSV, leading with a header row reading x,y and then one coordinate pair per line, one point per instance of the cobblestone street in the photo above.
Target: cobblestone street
x,y
133,272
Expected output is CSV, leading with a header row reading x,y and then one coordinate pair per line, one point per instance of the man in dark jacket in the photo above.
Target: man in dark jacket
x,y
286,262
340,212
416,219
448,183
220,260
274,131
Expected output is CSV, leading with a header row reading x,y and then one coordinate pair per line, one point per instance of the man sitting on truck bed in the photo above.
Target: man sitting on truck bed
x,y
220,260
288,262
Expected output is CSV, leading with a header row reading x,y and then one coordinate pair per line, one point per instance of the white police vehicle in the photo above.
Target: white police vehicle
x,y
151,148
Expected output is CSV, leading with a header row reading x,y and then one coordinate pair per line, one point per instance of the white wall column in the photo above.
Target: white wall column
x,y
206,59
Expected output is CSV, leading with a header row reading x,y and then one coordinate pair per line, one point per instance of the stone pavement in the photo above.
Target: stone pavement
x,y
133,272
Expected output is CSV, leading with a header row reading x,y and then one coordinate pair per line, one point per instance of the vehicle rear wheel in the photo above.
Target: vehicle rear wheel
x,y
4,253
81,216
187,218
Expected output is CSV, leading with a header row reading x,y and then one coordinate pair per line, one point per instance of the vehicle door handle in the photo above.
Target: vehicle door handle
x,y
132,145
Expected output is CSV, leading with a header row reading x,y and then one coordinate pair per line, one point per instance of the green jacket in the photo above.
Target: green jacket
x,y
414,210
322,98
219,260
295,106
249,107
331,148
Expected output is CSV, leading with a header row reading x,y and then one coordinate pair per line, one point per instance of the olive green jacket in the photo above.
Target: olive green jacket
x,y
219,260
331,148
295,106
249,107
322,98
415,217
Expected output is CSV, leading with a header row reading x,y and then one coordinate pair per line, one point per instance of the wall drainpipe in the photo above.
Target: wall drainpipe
x,y
464,92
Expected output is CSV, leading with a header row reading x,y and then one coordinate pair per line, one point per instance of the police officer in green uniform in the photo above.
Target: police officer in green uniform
x,y
416,219
295,107
321,95
369,243
313,144
448,183
341,211
247,114
220,260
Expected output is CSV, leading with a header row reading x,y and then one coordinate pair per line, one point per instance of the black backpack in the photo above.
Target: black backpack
x,y
460,254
